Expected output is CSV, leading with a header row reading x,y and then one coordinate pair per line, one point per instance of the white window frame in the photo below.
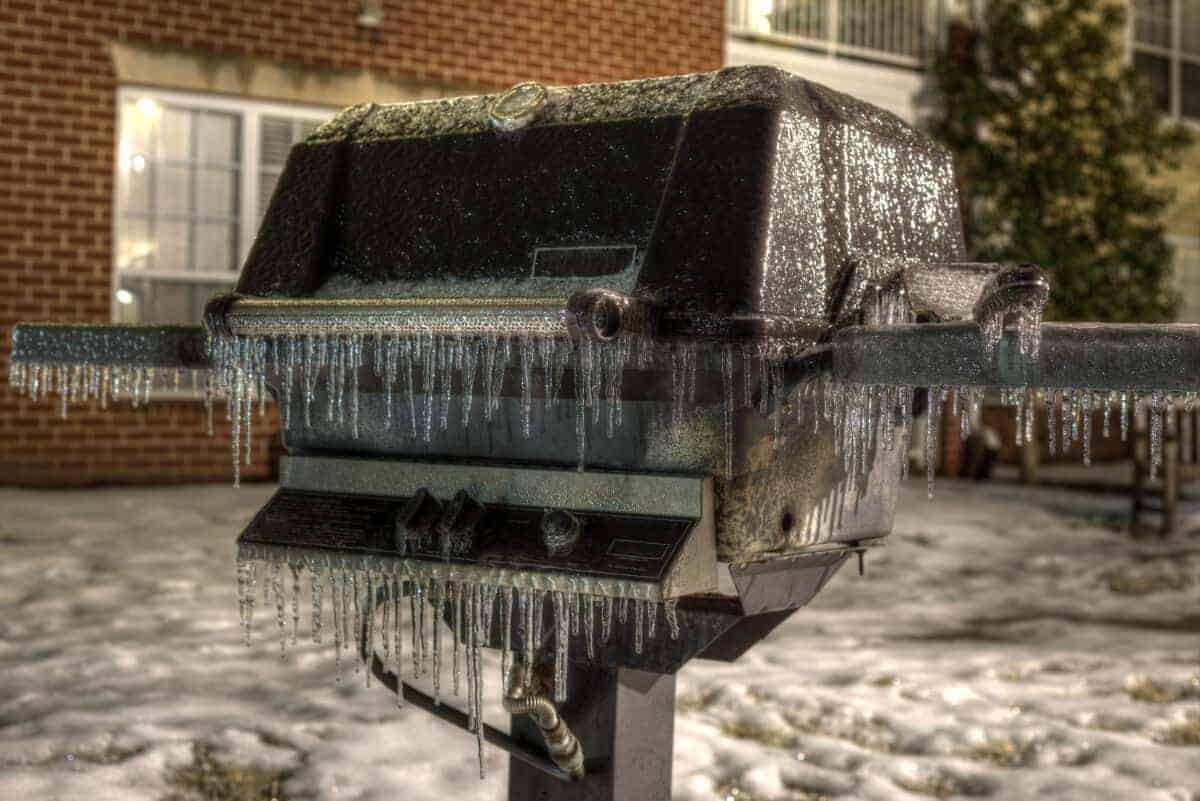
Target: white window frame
x,y
1174,54
250,112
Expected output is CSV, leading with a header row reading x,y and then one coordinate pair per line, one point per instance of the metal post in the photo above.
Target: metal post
x,y
625,722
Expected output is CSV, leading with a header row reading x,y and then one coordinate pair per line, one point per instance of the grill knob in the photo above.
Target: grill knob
x,y
560,532
415,522
456,529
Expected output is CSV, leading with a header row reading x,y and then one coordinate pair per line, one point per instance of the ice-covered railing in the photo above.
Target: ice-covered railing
x,y
106,363
376,601
1075,371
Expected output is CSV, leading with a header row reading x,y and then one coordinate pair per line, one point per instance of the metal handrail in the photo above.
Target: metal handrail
x,y
895,32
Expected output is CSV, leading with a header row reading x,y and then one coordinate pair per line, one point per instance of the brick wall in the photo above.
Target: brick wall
x,y
58,140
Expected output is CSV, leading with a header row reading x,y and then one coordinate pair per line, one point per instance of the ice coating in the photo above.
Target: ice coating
x,y
420,374
374,601
320,374
867,416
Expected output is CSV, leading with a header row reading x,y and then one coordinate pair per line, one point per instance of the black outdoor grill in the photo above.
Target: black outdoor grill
x,y
607,377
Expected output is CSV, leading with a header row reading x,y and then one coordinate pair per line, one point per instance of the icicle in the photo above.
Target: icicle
x,y
1156,431
456,601
638,620
398,638
249,593
526,352
385,628
277,591
295,603
933,424
506,603
1087,427
368,622
582,381
450,356
1051,401
669,610
336,580
437,598
477,676
1124,415
562,639
315,572
359,612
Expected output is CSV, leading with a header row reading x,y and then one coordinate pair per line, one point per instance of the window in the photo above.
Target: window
x,y
194,176
1187,276
1166,49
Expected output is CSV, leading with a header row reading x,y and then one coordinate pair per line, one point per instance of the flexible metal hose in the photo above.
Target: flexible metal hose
x,y
562,744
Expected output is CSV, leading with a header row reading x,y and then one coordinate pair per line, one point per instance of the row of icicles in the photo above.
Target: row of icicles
x,y
375,607
421,373
870,413
863,417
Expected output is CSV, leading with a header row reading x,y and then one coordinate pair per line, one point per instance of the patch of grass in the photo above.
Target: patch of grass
x,y
697,702
1104,722
744,730
109,755
1126,581
1005,752
1184,733
210,778
1146,689
864,730
936,782
731,792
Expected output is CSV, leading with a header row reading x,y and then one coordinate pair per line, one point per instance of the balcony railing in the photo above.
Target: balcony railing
x,y
889,31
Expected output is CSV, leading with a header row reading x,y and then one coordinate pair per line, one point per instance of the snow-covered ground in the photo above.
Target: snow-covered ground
x,y
1007,644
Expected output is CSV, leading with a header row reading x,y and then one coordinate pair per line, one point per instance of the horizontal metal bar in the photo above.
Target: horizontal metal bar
x,y
456,316
166,346
1078,355
590,491
424,568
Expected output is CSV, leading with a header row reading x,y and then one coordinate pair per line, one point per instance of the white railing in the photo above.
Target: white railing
x,y
890,31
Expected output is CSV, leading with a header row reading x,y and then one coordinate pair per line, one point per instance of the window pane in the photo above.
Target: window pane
x,y
172,189
135,250
155,300
216,248
133,182
1157,71
277,139
1152,22
1189,90
216,193
171,246
1190,33
217,138
175,141
138,128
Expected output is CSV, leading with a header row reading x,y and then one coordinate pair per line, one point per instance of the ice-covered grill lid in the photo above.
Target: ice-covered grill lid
x,y
738,191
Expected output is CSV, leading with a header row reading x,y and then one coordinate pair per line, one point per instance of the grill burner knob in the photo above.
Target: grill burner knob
x,y
560,532
415,522
457,526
